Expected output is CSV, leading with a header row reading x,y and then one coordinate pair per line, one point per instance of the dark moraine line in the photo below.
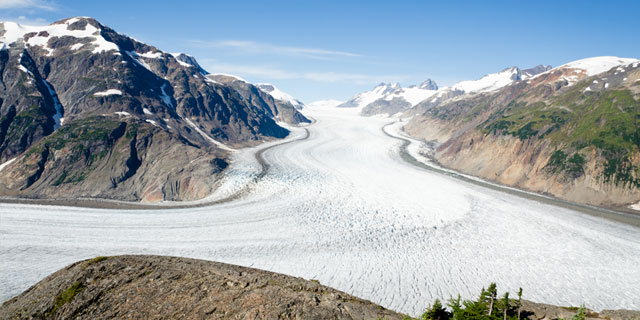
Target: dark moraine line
x,y
608,213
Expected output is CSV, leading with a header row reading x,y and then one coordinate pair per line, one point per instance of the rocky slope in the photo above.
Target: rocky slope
x,y
488,83
572,132
152,287
261,95
89,112
278,94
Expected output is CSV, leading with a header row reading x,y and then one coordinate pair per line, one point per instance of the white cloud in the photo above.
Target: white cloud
x,y
265,48
269,72
22,4
25,20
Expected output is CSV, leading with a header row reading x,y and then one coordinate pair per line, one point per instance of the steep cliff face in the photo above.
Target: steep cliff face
x,y
56,79
569,132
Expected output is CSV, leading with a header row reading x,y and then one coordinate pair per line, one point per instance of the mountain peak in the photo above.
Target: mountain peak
x,y
595,65
279,94
39,36
428,85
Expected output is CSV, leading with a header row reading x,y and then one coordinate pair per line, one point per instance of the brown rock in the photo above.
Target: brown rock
x,y
153,287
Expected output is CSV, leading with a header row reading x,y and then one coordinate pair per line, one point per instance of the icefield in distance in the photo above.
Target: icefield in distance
x,y
342,207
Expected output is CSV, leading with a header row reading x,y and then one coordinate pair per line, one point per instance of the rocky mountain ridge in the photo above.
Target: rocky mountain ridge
x,y
122,105
570,132
280,105
390,98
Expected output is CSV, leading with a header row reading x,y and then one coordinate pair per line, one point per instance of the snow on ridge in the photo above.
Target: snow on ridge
x,y
413,95
329,103
109,92
390,91
596,65
278,94
15,32
136,57
489,82
152,55
363,99
8,162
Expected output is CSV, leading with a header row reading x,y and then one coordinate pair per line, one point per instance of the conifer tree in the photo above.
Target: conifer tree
x,y
506,304
519,302
492,291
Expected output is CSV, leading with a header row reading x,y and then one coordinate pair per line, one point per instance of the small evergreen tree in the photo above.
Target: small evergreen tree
x,y
493,293
436,312
506,304
519,302
456,308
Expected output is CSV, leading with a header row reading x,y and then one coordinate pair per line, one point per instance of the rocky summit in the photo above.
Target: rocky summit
x,y
153,287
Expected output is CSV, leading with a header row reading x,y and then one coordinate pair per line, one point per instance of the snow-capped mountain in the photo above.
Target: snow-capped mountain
x,y
362,99
509,134
488,83
124,106
391,98
281,110
280,95
575,71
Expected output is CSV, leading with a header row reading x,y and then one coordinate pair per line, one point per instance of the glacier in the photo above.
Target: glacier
x,y
344,208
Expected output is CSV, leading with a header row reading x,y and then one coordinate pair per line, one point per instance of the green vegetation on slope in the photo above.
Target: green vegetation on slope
x,y
488,306
576,123
67,295
82,144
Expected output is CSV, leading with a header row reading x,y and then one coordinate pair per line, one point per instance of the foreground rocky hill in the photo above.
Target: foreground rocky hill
x,y
573,132
152,287
89,112
155,287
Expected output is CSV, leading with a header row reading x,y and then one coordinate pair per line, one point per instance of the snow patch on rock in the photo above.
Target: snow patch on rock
x,y
108,93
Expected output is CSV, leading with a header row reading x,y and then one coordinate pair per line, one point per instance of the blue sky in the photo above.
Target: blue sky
x,y
334,49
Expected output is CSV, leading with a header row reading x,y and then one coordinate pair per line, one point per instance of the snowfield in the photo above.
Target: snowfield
x,y
343,207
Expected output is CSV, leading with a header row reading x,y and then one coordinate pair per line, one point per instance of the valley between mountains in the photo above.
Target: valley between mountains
x,y
246,174
344,208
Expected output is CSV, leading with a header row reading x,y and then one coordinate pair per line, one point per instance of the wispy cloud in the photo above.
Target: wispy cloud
x,y
26,4
269,72
265,48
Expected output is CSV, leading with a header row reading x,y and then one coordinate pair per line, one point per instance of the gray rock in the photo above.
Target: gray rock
x,y
153,287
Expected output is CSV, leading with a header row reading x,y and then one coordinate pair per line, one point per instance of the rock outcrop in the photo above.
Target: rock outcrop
x,y
152,287
156,287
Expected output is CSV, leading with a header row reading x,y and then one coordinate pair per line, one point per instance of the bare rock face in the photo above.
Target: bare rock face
x,y
254,94
153,287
